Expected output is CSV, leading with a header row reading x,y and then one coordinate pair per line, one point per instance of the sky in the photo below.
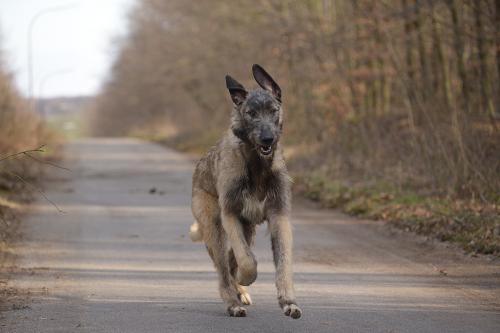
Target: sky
x,y
73,48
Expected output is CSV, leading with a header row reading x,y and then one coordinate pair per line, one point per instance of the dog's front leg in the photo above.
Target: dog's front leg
x,y
281,242
247,265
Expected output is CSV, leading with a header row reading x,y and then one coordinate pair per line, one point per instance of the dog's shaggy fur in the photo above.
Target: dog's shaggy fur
x,y
240,183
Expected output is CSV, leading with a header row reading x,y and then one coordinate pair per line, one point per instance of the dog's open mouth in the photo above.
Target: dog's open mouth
x,y
266,150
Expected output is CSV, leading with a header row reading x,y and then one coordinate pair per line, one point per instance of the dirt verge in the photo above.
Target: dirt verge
x,y
473,225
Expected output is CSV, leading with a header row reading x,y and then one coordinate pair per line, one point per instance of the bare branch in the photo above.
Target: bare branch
x,y
46,162
36,188
37,150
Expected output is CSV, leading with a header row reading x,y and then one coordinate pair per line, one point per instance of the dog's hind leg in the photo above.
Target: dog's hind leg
x,y
216,246
243,294
206,212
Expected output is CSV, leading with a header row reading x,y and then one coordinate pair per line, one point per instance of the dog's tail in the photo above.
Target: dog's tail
x,y
195,232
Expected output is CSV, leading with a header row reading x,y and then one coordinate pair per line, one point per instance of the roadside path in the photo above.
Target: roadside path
x,y
119,260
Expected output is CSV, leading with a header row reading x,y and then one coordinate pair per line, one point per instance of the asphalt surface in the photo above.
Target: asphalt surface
x,y
118,259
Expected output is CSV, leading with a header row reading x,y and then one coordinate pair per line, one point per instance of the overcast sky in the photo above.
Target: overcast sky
x,y
72,49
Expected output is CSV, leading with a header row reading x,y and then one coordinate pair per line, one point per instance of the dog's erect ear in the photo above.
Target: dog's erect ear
x,y
236,90
266,81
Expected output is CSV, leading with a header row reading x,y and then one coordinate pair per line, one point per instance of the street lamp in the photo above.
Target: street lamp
x,y
44,80
31,27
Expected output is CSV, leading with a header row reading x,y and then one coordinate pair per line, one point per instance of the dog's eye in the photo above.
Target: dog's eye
x,y
251,113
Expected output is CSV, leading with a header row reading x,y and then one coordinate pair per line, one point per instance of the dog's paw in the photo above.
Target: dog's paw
x,y
237,311
292,310
245,298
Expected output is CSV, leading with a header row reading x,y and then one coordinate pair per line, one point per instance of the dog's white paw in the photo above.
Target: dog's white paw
x,y
292,310
243,295
195,232
245,298
237,311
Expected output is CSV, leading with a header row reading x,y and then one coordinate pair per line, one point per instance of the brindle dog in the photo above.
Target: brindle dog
x,y
240,183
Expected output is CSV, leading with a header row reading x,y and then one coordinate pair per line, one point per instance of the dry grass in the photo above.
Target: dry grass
x,y
20,130
473,225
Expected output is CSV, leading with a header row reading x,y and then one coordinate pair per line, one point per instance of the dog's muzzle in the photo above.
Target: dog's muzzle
x,y
265,150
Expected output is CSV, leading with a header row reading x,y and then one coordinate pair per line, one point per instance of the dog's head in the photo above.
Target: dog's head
x,y
258,116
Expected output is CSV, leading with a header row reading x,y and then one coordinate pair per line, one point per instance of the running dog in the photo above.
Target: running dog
x,y
240,183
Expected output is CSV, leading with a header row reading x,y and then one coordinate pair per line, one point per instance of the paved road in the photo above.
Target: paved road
x,y
118,260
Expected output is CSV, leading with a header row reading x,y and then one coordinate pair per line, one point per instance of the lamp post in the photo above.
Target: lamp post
x,y
44,80
31,27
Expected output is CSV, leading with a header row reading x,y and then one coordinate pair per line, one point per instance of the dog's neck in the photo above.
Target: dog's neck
x,y
259,170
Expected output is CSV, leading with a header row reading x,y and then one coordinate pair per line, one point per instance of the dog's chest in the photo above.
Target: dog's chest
x,y
253,209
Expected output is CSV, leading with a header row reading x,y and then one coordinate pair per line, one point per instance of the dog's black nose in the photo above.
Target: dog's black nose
x,y
267,139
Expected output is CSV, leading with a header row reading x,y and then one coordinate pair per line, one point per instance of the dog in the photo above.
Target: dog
x,y
240,183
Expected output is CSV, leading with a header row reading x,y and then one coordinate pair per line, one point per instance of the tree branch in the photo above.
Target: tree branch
x,y
39,190
37,150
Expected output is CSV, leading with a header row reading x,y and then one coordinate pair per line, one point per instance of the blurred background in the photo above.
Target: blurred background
x,y
392,107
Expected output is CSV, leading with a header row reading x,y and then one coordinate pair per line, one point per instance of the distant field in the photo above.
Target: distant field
x,y
64,115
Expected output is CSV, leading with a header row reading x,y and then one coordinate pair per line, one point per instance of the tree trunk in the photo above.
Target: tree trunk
x,y
484,83
497,37
462,165
426,88
459,50
410,68
441,61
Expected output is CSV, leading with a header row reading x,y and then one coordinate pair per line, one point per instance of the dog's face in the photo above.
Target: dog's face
x,y
257,119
